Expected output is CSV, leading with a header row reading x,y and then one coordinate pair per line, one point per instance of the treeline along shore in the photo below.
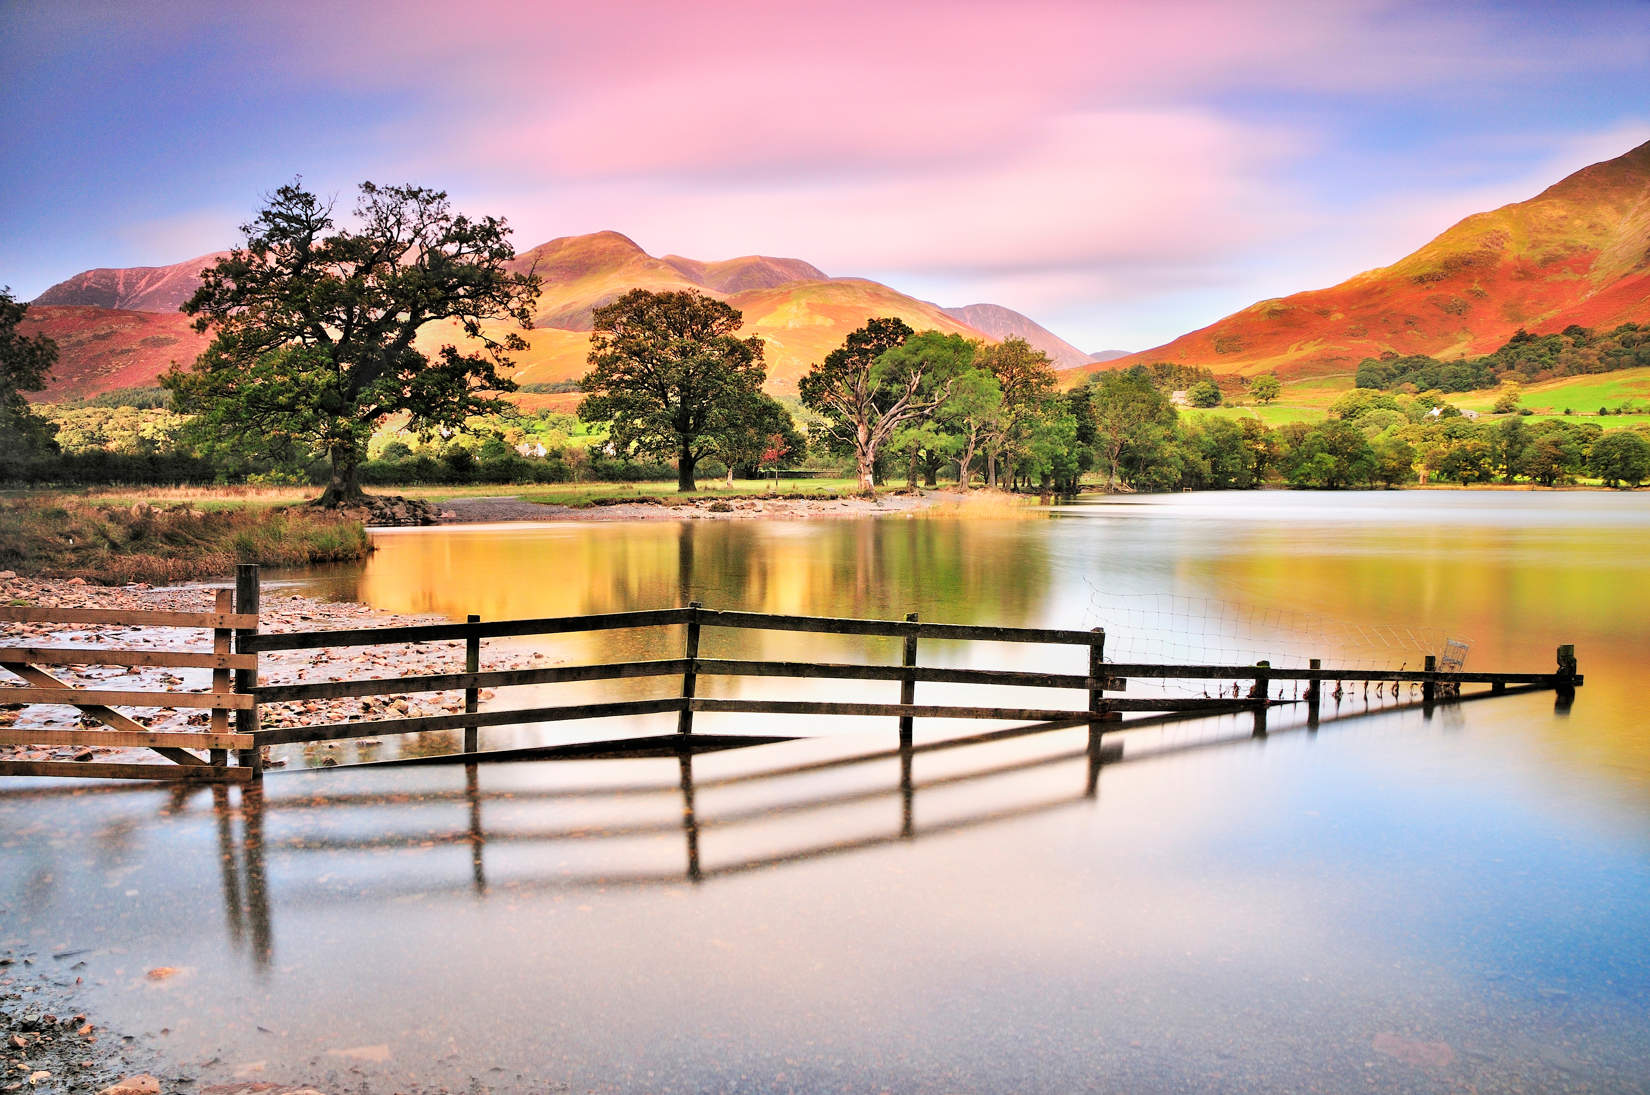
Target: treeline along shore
x,y
315,378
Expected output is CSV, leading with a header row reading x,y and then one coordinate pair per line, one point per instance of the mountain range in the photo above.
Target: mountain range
x,y
118,328
1577,253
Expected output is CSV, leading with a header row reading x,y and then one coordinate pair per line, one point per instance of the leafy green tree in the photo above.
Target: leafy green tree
x,y
1204,394
25,362
1025,376
1265,388
761,427
1260,450
1510,443
1394,460
976,400
1126,406
1507,401
1621,457
1222,461
1051,450
880,378
1333,455
1557,454
1354,405
314,326
925,446
672,379
1467,459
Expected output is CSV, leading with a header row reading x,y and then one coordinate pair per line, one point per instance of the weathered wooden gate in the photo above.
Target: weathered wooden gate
x,y
111,728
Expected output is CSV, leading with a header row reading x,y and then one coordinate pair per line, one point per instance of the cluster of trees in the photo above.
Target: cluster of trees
x,y
928,400
1379,438
1136,436
670,379
314,328
1575,351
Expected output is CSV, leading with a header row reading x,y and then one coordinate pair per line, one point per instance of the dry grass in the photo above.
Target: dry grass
x,y
115,544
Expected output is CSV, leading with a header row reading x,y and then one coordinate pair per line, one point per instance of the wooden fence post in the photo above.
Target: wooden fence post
x,y
1261,694
908,685
246,680
1429,687
472,695
1097,707
690,672
222,643
1314,693
1564,681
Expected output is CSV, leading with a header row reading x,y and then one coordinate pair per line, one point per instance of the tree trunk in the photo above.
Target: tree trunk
x,y
964,475
911,472
343,488
685,483
991,469
864,465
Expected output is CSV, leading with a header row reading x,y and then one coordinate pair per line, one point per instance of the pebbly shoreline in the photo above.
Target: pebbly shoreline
x,y
501,508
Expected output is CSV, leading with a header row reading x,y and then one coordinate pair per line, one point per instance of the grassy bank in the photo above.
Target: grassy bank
x,y
600,494
137,542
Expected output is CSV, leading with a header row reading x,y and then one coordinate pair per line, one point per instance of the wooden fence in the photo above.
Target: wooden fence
x,y
1100,708
111,728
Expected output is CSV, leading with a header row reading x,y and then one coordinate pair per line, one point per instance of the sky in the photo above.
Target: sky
x,y
1120,172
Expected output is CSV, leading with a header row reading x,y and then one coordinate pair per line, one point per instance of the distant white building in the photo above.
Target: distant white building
x,y
535,449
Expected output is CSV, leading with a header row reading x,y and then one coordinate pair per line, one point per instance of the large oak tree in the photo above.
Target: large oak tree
x,y
671,378
314,326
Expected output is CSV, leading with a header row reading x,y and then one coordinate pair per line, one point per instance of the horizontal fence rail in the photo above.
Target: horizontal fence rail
x,y
1100,706
496,629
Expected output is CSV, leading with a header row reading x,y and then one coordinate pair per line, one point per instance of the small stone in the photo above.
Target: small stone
x,y
7,575
141,1084
76,582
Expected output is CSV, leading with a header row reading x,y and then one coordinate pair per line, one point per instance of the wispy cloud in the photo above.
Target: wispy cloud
x,y
1146,152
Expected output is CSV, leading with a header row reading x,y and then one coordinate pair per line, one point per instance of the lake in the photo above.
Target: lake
x,y
1401,901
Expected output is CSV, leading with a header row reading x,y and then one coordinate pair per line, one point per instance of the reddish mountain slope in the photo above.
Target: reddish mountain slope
x,y
801,313
100,349
999,323
137,288
1578,252
799,322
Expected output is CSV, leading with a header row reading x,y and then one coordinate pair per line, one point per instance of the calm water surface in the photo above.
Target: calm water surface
x,y
1398,902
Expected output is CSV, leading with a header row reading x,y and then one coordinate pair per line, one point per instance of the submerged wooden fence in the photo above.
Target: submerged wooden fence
x,y
110,728
1100,708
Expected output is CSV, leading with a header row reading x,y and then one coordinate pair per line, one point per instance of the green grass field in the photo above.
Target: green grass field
x,y
1582,394
208,499
1309,400
1275,414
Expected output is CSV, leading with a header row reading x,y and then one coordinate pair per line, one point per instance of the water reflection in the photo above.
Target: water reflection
x,y
330,819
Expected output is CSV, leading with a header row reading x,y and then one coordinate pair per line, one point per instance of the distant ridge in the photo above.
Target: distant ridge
x,y
1108,355
1577,253
135,288
121,328
999,323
